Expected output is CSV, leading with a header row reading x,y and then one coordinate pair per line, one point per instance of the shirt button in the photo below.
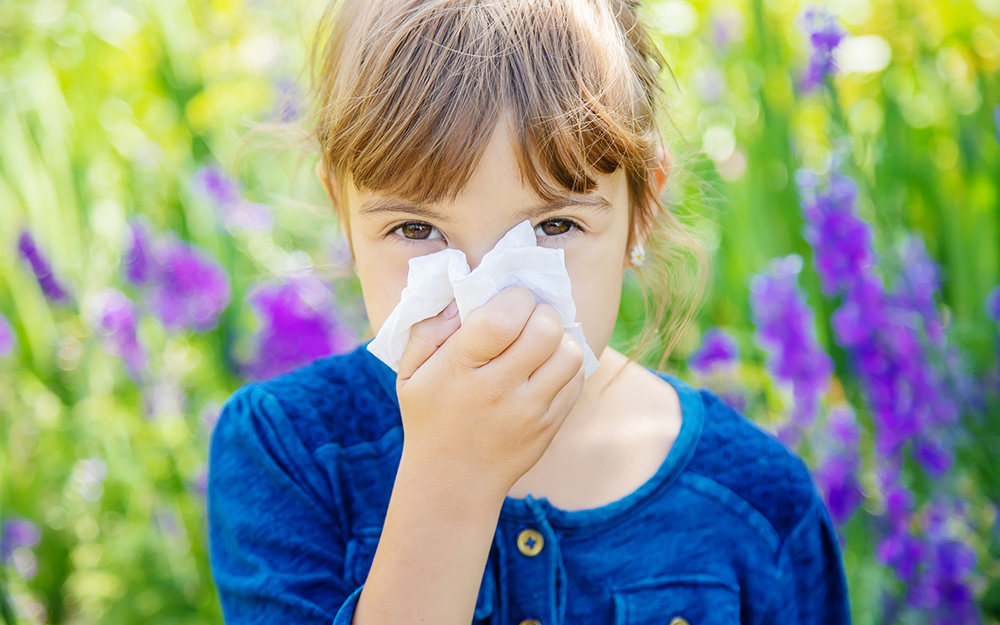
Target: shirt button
x,y
531,621
678,621
530,543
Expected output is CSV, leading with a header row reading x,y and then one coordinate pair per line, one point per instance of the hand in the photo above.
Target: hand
x,y
488,396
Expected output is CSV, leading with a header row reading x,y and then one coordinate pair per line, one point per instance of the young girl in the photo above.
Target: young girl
x,y
490,481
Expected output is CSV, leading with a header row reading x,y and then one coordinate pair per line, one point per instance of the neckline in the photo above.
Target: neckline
x,y
681,452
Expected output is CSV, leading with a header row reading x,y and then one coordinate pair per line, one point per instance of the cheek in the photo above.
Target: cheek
x,y
382,278
597,285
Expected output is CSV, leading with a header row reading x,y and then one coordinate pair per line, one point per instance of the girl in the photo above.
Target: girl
x,y
489,481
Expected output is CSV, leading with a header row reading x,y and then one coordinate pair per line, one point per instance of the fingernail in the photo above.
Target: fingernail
x,y
451,310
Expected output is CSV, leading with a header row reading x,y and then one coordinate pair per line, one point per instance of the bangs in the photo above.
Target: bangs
x,y
411,92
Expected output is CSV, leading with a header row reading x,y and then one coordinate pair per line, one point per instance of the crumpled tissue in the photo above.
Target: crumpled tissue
x,y
435,279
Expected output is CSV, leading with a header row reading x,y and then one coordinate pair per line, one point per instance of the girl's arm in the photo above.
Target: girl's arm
x,y
275,534
433,548
480,403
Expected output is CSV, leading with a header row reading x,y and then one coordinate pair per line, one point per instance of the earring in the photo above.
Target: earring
x,y
637,255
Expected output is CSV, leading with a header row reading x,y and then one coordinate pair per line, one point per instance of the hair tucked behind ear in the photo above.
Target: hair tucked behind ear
x,y
408,93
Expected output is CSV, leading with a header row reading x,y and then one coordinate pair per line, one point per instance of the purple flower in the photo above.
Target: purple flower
x,y
825,34
841,240
918,284
235,213
7,339
838,481
903,552
933,456
899,504
718,350
214,184
16,533
289,99
908,395
187,289
993,304
137,257
727,29
840,463
943,591
786,331
41,268
17,537
114,316
298,325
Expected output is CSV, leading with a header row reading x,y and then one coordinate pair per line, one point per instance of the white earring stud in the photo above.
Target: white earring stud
x,y
637,255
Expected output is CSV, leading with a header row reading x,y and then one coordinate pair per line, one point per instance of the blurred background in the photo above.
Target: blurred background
x,y
839,160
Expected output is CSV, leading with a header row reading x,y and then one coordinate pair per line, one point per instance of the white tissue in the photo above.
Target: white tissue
x,y
435,279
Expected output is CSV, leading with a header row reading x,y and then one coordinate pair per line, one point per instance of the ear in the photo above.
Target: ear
x,y
661,173
332,189
664,164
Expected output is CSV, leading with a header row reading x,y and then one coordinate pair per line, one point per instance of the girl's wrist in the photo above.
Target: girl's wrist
x,y
446,480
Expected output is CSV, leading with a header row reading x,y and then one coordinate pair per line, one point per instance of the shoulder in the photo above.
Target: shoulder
x,y
741,457
337,399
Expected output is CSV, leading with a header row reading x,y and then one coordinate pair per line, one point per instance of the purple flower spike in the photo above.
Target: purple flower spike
x,y
837,473
838,481
993,304
7,339
909,396
299,325
786,331
214,184
919,283
718,351
825,34
114,315
16,533
232,210
841,240
932,456
137,260
188,290
903,552
41,268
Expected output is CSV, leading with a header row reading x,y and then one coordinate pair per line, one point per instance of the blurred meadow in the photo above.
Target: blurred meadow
x,y
840,161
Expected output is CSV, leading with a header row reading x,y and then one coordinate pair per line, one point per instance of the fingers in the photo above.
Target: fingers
x,y
539,338
491,328
565,399
425,338
554,375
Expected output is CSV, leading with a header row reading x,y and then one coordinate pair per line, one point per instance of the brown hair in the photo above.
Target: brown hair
x,y
408,93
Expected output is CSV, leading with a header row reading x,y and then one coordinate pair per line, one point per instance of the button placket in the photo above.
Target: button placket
x,y
534,568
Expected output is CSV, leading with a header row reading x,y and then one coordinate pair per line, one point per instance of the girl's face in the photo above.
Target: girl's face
x,y
385,233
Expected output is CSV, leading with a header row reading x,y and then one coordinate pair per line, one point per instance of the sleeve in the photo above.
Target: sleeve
x,y
276,538
811,587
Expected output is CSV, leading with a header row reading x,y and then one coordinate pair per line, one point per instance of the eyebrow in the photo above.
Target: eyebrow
x,y
395,205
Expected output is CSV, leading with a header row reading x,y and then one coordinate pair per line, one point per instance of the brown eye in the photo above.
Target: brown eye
x,y
416,231
554,227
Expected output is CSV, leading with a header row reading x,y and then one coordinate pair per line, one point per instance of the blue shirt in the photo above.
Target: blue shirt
x,y
729,530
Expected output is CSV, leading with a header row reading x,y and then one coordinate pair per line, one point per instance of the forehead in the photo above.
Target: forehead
x,y
497,181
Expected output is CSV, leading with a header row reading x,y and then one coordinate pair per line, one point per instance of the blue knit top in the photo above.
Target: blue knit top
x,y
729,530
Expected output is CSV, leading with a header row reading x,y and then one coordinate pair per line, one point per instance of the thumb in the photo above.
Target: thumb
x,y
425,338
